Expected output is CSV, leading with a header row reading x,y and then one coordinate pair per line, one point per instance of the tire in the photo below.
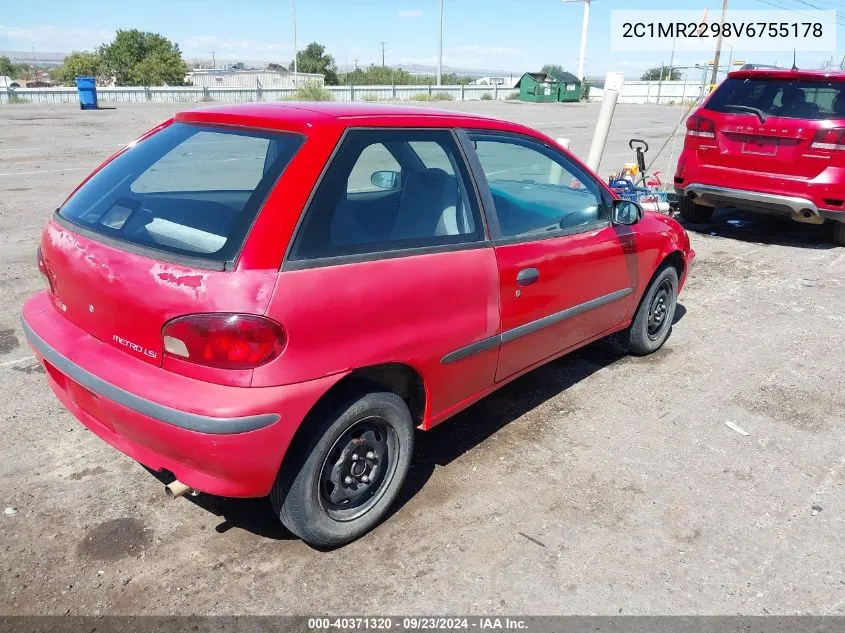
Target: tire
x,y
839,233
695,213
653,321
360,452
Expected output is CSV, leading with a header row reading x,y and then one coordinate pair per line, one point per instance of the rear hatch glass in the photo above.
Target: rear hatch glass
x,y
768,124
792,99
188,192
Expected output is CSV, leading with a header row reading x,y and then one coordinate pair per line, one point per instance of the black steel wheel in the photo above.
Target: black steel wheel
x,y
357,467
346,469
652,321
659,308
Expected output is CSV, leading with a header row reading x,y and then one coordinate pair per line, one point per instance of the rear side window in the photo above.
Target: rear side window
x,y
390,190
188,190
793,99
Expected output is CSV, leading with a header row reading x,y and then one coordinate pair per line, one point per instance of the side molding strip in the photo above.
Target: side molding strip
x,y
534,326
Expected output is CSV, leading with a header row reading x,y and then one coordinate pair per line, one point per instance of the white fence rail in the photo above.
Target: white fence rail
x,y
194,94
655,92
632,92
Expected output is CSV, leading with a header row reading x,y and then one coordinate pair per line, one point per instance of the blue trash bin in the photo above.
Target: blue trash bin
x,y
87,87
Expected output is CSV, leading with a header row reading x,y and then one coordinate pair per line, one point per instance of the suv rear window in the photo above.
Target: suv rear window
x,y
188,190
793,99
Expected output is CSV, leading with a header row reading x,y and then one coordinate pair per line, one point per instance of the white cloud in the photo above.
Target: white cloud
x,y
487,50
410,14
455,62
47,37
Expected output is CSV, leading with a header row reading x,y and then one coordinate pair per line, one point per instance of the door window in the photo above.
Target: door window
x,y
389,190
536,191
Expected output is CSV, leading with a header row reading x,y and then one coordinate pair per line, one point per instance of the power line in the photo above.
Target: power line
x,y
837,21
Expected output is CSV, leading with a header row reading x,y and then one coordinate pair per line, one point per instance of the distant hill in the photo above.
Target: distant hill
x,y
37,58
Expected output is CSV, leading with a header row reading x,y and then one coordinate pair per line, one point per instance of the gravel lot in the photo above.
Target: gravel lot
x,y
599,484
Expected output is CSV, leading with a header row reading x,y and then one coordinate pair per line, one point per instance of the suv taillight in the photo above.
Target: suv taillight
x,y
832,139
226,341
701,127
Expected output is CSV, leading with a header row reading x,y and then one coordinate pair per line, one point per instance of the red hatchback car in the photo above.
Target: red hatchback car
x,y
267,299
770,141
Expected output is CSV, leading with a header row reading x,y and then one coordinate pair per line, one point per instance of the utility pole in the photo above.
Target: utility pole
x,y
355,61
213,60
295,49
440,46
584,26
382,53
719,44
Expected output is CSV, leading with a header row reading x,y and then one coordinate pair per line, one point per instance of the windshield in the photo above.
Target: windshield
x,y
793,99
191,190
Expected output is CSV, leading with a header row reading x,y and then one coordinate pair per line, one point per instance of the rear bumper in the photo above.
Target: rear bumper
x,y
808,200
799,209
227,441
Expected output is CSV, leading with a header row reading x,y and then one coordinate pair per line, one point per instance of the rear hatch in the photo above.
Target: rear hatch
x,y
781,123
152,234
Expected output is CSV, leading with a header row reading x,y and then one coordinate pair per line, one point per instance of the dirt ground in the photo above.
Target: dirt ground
x,y
599,484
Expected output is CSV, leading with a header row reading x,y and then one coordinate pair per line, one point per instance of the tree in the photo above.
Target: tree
x,y
654,74
314,59
8,69
137,58
553,68
78,64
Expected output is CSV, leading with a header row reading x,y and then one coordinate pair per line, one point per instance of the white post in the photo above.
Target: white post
x,y
584,26
440,46
556,171
612,88
295,49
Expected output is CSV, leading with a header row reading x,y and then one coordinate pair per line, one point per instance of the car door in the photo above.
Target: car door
x,y
414,283
566,274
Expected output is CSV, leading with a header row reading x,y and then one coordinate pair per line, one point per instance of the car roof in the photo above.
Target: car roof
x,y
303,115
787,74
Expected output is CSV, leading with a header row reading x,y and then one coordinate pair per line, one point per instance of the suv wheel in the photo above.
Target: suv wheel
x,y
839,233
653,320
345,480
695,213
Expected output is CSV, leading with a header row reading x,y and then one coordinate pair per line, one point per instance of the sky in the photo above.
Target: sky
x,y
515,35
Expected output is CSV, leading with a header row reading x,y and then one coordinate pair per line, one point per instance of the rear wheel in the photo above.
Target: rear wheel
x,y
695,213
839,233
653,320
349,474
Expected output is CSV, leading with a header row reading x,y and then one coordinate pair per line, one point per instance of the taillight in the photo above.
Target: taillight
x,y
227,341
832,139
42,268
700,126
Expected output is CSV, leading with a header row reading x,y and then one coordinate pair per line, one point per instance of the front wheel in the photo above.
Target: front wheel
x,y
653,320
695,213
344,482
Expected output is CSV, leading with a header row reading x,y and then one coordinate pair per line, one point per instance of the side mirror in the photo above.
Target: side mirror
x,y
385,179
626,212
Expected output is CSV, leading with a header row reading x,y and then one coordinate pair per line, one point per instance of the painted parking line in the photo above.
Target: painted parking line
x,y
40,149
9,363
45,171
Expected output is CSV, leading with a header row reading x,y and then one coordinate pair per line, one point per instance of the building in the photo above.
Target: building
x,y
252,79
549,87
502,82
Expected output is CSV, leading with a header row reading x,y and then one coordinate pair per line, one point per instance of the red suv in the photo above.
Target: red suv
x,y
771,141
267,299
